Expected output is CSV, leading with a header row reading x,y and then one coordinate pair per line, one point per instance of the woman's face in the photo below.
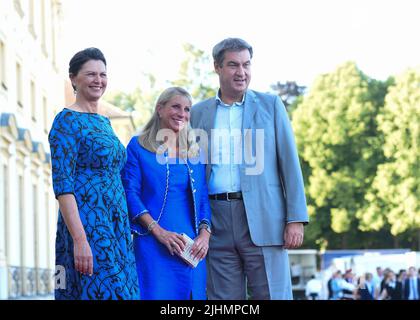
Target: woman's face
x,y
175,114
91,80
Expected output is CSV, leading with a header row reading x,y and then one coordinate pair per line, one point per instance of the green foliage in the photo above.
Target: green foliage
x,y
359,141
291,108
289,92
141,102
340,148
396,193
195,74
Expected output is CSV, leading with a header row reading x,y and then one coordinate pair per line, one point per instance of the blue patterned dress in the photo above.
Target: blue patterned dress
x,y
86,161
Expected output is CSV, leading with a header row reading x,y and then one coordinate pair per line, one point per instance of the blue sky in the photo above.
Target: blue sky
x,y
292,40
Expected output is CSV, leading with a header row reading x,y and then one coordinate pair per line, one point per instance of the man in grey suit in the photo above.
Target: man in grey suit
x,y
255,183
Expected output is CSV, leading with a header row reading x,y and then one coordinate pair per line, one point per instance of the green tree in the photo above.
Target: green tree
x,y
396,189
140,102
340,148
195,74
289,92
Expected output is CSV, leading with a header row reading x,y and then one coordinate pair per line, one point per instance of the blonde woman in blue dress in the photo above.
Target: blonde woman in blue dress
x,y
166,191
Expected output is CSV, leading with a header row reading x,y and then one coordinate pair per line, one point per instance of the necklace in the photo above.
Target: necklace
x,y
190,171
166,193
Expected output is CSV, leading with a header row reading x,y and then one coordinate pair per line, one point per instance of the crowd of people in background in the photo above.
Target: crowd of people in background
x,y
386,284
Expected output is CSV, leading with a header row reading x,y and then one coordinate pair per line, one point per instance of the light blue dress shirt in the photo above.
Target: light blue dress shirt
x,y
413,289
226,152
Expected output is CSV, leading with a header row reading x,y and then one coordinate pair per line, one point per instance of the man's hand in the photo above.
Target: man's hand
x,y
293,235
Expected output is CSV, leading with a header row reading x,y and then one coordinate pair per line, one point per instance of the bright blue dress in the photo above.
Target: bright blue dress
x,y
161,275
86,161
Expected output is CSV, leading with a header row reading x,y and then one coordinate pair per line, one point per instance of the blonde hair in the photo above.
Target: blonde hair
x,y
186,137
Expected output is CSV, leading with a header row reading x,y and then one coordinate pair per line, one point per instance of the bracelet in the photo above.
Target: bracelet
x,y
151,225
205,226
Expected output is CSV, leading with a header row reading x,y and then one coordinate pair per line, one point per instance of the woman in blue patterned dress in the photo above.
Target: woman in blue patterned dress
x,y
94,250
166,191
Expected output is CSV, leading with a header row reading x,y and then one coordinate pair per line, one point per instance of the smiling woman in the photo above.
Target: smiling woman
x,y
92,80
93,243
88,79
175,114
167,199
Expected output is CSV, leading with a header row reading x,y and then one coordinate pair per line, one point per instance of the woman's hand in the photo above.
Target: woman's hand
x,y
201,245
83,258
173,241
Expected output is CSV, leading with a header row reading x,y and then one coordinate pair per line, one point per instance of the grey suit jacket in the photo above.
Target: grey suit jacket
x,y
273,190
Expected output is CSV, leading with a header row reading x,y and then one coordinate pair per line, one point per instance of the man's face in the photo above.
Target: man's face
x,y
234,73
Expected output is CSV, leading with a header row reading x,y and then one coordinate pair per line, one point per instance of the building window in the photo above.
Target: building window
x,y
18,7
31,24
47,221
45,114
36,225
19,91
6,206
21,213
43,28
2,65
22,235
54,38
33,100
